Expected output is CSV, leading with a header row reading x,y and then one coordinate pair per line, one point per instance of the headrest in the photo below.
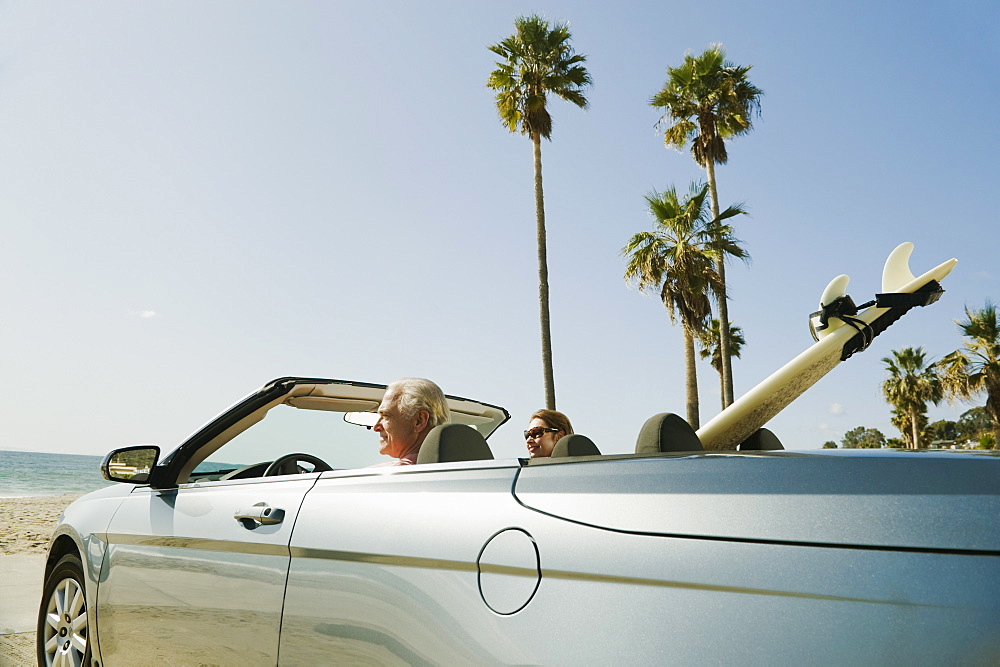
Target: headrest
x,y
454,442
575,444
761,439
667,432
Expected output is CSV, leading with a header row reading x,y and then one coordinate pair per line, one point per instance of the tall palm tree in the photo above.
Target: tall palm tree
x,y
538,60
710,340
678,260
912,382
706,101
976,368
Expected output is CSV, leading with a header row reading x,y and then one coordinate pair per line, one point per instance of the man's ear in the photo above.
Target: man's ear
x,y
423,419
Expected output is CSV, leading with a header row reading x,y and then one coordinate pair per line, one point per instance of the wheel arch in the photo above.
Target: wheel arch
x,y
61,545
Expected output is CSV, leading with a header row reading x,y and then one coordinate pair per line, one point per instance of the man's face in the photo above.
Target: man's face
x,y
397,434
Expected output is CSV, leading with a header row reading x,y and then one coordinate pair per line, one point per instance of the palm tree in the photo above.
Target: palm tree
x,y
903,420
538,60
678,259
711,348
706,101
976,368
911,384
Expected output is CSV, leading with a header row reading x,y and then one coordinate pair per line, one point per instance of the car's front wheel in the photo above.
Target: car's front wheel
x,y
63,627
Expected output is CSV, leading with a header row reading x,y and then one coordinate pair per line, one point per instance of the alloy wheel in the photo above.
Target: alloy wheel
x,y
64,638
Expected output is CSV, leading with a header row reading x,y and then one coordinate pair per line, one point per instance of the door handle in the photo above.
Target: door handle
x,y
260,515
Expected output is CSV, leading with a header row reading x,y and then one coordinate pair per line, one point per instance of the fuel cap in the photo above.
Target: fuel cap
x,y
509,571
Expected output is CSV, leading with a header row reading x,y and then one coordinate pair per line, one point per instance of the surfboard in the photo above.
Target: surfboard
x,y
839,333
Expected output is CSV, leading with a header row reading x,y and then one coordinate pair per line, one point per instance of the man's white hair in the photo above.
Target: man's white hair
x,y
415,394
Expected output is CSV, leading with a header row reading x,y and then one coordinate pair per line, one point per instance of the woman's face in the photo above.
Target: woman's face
x,y
541,439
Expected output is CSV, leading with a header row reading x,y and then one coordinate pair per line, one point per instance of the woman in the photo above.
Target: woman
x,y
545,429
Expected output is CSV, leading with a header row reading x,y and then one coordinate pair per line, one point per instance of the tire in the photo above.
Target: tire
x,y
63,619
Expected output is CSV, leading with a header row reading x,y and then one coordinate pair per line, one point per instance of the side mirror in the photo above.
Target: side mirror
x,y
130,464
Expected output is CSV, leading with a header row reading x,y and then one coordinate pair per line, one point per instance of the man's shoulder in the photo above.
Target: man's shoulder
x,y
394,462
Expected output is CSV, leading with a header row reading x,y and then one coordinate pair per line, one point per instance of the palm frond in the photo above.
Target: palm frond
x,y
538,59
975,369
912,381
679,256
712,93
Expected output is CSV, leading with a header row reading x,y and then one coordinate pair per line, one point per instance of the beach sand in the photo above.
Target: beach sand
x,y
28,522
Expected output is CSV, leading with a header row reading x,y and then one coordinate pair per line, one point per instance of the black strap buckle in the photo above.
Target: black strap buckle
x,y
842,308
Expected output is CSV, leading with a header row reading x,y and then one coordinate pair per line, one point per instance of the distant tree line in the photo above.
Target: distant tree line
x,y
136,458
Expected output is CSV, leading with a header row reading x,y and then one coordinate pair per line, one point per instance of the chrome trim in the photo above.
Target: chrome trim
x,y
384,559
462,566
203,544
661,583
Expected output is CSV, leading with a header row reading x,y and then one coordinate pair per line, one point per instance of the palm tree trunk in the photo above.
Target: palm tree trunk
x,y
727,361
543,278
993,410
914,428
722,390
691,378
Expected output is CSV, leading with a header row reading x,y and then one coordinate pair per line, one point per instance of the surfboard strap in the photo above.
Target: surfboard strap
x,y
898,304
843,309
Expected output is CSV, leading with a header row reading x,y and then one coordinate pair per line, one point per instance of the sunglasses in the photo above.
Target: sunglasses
x,y
538,431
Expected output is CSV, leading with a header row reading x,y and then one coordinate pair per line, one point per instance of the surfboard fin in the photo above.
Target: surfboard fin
x,y
896,271
820,324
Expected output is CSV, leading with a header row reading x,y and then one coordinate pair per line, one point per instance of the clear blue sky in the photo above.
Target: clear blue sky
x,y
197,197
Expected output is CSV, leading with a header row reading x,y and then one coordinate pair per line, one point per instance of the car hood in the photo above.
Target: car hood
x,y
903,500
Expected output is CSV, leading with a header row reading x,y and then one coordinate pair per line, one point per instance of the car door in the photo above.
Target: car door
x,y
196,562
186,580
385,567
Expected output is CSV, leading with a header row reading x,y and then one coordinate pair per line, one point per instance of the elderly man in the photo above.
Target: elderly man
x,y
410,408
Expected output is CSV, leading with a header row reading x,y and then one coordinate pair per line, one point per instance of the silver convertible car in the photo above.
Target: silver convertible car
x,y
262,540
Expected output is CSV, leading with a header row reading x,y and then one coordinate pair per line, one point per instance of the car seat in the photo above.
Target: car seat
x,y
448,443
667,432
575,444
761,439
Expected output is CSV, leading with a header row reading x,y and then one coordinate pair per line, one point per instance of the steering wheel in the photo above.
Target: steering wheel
x,y
283,465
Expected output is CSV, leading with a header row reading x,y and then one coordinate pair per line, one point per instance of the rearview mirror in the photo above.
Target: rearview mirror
x,y
366,419
130,464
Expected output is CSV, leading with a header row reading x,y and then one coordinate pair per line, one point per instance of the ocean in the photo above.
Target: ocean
x,y
25,474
